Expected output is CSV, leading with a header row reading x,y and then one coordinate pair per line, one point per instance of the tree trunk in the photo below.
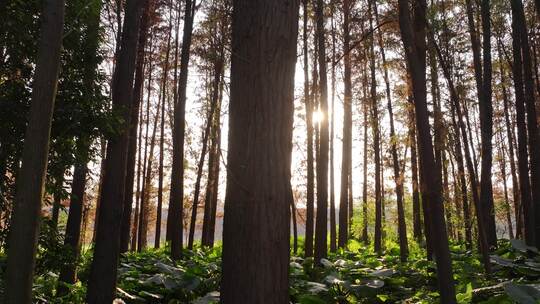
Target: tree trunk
x,y
321,225
520,100
398,178
308,243
73,227
30,180
532,123
417,221
347,131
206,134
102,281
132,149
333,232
258,197
365,161
413,37
157,238
176,198
376,139
59,185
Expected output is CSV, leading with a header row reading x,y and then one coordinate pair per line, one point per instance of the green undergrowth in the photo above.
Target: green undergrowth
x,y
356,275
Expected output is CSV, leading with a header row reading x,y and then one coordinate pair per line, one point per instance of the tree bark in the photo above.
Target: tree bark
x,y
413,37
347,131
310,193
132,149
523,153
321,225
102,281
258,197
176,198
25,220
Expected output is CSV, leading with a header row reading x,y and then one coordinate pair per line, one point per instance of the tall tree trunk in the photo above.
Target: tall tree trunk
x,y
398,178
532,122
157,238
210,204
29,193
455,106
257,210
523,154
321,225
365,161
510,136
347,131
376,139
176,198
333,232
103,156
308,243
417,221
132,149
102,281
413,37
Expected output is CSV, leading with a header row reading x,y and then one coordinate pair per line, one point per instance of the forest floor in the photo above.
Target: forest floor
x,y
353,276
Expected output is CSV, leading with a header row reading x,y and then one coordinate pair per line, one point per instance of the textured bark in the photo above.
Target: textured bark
x,y
413,37
176,198
102,280
30,180
519,21
310,192
417,220
523,153
132,149
59,185
346,153
321,225
258,197
374,107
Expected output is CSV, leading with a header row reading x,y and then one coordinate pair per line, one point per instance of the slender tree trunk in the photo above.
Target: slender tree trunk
x,y
376,139
417,221
347,131
321,226
103,155
132,149
257,210
365,161
398,178
310,193
510,135
24,230
157,238
206,134
102,280
59,185
413,37
523,154
138,193
176,198
144,213
73,227
333,232
530,106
